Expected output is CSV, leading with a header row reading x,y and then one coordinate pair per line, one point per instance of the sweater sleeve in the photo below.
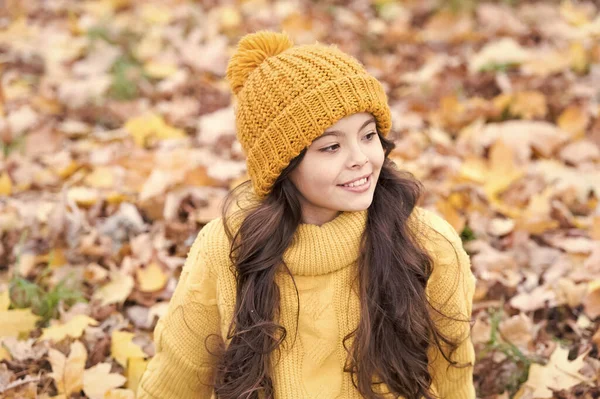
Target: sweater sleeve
x,y
450,289
182,364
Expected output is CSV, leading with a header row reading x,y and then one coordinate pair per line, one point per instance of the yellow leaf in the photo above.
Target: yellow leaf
x,y
122,348
73,23
548,63
151,278
230,17
5,184
18,88
83,195
502,101
579,58
573,14
119,4
101,177
46,105
65,171
502,169
119,394
15,321
154,14
4,354
115,197
149,126
451,215
474,168
73,328
98,380
4,300
116,291
299,24
68,372
574,120
135,369
57,258
593,285
159,70
596,228
529,105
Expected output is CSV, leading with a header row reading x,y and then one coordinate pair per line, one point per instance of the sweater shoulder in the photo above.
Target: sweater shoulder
x,y
213,245
433,231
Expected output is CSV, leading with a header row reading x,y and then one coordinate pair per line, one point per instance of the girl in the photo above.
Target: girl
x,y
322,278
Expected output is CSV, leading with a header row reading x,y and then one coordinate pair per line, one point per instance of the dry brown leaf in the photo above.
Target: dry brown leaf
x,y
559,373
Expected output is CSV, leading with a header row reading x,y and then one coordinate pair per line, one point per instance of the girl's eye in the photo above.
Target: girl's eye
x,y
332,148
328,149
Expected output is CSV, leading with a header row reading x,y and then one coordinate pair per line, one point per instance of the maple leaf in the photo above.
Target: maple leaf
x,y
98,380
558,374
67,372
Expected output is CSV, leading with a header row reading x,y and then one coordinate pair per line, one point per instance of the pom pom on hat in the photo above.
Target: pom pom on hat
x,y
252,50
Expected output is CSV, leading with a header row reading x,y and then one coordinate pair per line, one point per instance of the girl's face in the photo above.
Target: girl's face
x,y
346,152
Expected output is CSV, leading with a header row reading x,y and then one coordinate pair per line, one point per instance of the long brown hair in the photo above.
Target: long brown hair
x,y
395,328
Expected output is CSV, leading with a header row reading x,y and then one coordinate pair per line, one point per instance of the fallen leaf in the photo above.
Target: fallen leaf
x,y
67,372
98,380
559,373
574,120
73,328
15,321
151,278
116,291
119,394
122,348
151,126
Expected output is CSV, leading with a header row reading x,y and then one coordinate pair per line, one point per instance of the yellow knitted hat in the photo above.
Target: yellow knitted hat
x,y
288,95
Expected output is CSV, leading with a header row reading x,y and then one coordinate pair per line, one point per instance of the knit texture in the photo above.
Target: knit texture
x,y
286,96
323,262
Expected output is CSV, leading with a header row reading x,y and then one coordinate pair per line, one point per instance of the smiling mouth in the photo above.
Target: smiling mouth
x,y
357,185
358,181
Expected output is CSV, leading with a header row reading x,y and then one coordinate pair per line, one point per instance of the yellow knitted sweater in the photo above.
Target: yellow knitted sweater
x,y
322,260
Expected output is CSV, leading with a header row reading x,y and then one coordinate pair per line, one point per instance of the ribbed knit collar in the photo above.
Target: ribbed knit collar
x,y
317,250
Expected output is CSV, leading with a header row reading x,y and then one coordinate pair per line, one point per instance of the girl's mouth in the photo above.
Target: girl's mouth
x,y
358,187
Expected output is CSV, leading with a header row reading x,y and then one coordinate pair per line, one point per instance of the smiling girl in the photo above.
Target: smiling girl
x,y
322,278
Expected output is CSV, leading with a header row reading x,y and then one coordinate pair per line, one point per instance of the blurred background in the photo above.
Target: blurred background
x,y
117,139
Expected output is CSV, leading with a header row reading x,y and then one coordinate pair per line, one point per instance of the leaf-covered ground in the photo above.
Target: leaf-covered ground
x,y
118,143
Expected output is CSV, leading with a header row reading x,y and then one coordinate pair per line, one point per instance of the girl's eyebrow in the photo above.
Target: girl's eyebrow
x,y
338,133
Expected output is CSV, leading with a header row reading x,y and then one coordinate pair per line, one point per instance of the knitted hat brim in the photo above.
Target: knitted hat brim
x,y
307,117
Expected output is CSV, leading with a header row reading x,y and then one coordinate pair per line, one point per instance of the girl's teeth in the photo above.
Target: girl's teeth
x,y
358,183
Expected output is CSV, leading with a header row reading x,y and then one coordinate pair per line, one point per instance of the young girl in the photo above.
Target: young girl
x,y
322,278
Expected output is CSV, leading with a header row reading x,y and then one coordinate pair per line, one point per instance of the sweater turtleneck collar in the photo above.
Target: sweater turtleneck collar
x,y
317,250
